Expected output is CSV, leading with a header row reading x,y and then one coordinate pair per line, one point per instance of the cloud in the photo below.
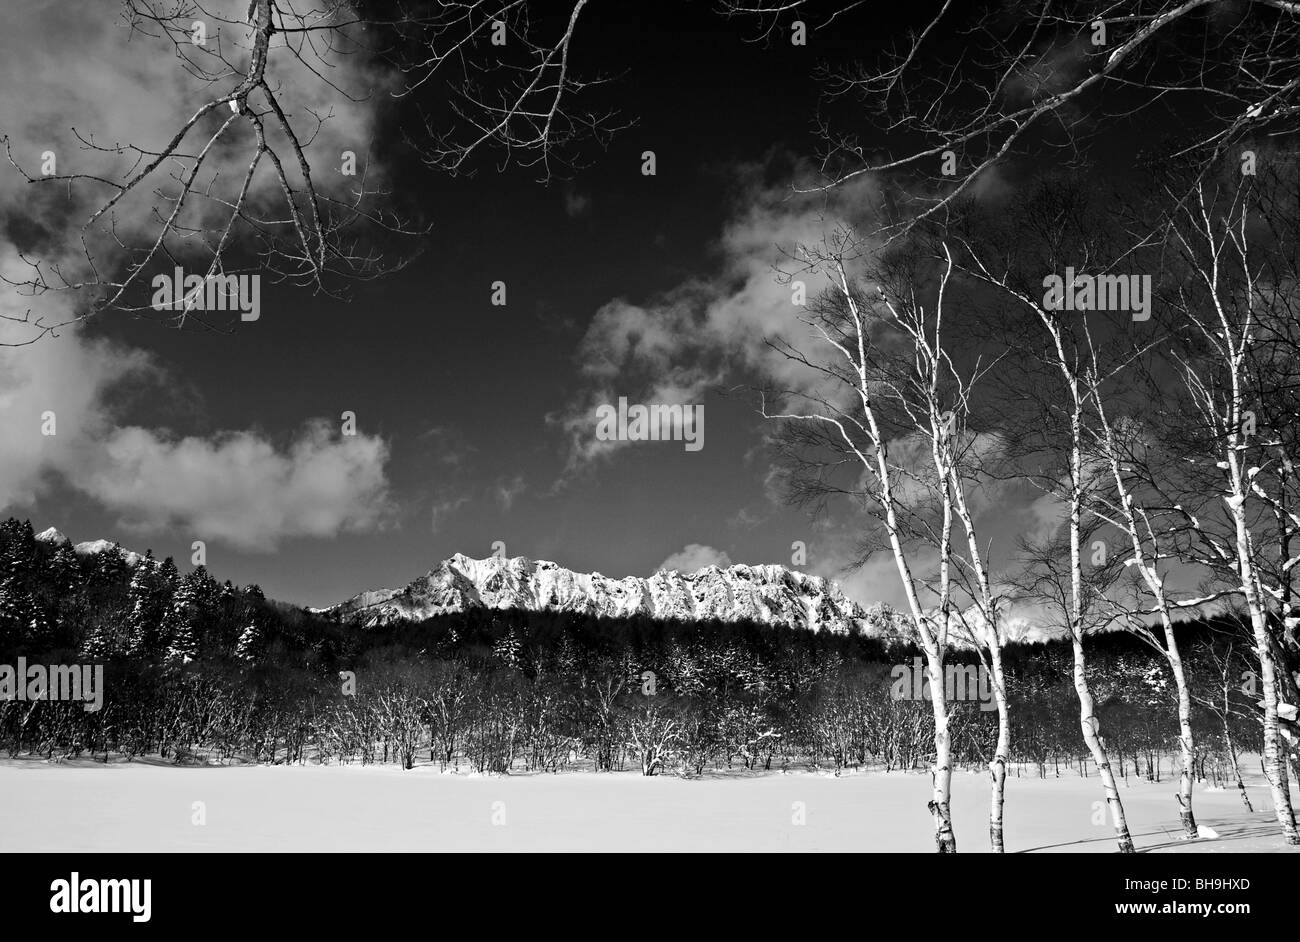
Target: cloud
x,y
693,557
443,507
507,489
711,330
1054,68
69,377
834,555
67,66
238,488
448,446
1046,515
73,73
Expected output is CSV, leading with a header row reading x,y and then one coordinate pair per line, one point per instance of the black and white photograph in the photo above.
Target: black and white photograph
x,y
674,427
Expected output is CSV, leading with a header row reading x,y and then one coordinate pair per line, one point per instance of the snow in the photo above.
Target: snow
x,y
139,806
771,594
88,547
92,547
95,547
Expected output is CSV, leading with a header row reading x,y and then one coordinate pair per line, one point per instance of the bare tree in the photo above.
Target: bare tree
x,y
978,86
1120,446
1061,368
652,734
1219,304
251,180
861,405
1226,669
935,395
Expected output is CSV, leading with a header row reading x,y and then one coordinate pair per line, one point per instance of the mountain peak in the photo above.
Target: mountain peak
x,y
89,547
768,594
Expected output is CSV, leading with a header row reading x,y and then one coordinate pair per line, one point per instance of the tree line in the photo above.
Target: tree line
x,y
202,671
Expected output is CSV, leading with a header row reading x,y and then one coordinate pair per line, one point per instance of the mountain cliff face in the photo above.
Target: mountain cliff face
x,y
770,594
766,594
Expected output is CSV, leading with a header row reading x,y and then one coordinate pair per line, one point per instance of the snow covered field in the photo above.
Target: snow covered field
x,y
142,807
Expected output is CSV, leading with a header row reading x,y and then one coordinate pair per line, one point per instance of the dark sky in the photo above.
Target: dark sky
x,y
469,398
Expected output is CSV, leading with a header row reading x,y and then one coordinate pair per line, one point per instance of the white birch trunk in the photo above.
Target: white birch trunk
x,y
1185,741
1273,767
1001,754
1155,584
1088,722
993,642
1273,759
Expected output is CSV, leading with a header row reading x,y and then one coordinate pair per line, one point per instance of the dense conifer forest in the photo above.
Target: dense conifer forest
x,y
201,671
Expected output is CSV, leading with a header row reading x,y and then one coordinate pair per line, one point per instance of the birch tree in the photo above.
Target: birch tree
x,y
1223,670
1062,373
1127,512
936,396
1221,306
987,630
861,406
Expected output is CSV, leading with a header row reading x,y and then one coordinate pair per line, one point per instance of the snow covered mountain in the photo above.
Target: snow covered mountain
x,y
88,548
767,594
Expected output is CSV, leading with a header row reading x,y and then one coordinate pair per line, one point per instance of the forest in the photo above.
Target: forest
x,y
201,671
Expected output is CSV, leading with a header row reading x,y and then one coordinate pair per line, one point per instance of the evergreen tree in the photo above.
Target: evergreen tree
x,y
182,647
168,576
249,647
65,571
146,602
23,622
110,566
182,624
100,641
11,618
17,549
252,636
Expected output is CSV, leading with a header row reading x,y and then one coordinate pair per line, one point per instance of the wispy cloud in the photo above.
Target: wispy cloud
x,y
708,331
506,490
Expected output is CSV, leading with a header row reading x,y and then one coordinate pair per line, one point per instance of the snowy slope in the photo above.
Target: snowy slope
x,y
767,594
89,547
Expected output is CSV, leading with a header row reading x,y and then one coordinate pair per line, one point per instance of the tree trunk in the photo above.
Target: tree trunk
x,y
1088,721
1091,727
998,767
945,841
1273,768
1185,741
